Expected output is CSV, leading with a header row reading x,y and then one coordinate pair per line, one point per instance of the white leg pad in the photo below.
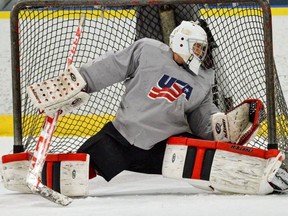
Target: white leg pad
x,y
174,160
173,165
236,173
14,176
74,178
230,169
71,177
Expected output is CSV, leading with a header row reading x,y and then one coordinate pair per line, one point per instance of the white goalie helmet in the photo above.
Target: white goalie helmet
x,y
189,41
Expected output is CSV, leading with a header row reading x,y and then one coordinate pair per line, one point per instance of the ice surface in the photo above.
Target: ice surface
x,y
141,195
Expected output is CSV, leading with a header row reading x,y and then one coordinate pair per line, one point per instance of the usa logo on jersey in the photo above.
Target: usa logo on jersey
x,y
170,89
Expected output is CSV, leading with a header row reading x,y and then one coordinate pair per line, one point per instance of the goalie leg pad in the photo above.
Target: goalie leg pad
x,y
237,173
65,173
221,166
14,169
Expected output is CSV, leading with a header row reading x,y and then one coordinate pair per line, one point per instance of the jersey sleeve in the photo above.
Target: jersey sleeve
x,y
199,120
110,68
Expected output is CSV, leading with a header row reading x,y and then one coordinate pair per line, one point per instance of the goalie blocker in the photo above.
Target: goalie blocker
x,y
221,166
64,92
67,174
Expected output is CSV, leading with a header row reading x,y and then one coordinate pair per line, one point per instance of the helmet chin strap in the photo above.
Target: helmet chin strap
x,y
187,67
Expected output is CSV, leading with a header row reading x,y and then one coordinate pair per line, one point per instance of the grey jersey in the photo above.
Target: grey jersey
x,y
161,98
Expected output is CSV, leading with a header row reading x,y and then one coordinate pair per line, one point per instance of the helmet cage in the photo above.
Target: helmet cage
x,y
190,42
198,48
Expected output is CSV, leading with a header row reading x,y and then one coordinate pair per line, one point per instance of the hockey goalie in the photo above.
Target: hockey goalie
x,y
166,123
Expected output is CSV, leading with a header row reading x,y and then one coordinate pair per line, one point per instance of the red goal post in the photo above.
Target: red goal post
x,y
40,35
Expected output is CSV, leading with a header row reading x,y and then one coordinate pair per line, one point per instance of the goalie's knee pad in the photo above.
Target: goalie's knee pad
x,y
221,166
65,173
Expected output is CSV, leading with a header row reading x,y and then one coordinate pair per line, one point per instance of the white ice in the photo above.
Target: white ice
x,y
140,195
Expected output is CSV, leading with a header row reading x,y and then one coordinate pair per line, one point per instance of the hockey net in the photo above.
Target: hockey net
x,y
41,32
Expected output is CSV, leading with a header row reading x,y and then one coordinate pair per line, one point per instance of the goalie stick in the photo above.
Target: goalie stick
x,y
39,156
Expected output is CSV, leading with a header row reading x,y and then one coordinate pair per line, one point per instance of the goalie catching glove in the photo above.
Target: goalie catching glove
x,y
62,93
239,125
